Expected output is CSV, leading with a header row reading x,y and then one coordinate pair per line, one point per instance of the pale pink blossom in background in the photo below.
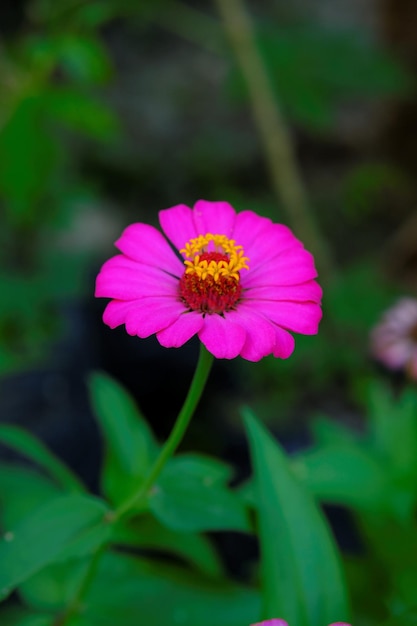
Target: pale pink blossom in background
x,y
393,340
238,281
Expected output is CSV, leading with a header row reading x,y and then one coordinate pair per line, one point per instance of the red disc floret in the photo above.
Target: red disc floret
x,y
208,295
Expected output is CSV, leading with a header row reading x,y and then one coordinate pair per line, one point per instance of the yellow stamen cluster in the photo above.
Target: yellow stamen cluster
x,y
219,245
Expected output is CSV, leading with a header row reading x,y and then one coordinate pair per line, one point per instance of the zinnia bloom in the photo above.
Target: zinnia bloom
x,y
236,280
394,339
281,622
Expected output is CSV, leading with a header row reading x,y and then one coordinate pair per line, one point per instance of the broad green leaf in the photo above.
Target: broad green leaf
x,y
130,592
145,532
40,539
405,585
22,491
26,444
394,428
209,470
129,443
86,542
329,432
301,576
392,542
345,474
54,586
190,496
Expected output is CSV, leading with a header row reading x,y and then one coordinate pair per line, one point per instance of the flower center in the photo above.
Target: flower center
x,y
211,281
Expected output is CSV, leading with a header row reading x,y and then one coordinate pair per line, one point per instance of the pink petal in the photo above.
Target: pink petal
x,y
300,317
292,267
147,245
152,315
284,344
281,344
306,292
178,333
222,337
214,217
178,224
272,622
248,227
115,312
260,333
124,279
275,241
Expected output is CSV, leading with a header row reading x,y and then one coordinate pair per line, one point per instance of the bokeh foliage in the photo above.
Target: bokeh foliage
x,y
72,137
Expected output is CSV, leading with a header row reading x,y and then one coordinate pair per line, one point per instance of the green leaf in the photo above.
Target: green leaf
x,y
54,586
154,593
84,58
41,538
23,442
130,446
22,490
87,542
191,496
82,113
301,576
327,431
345,474
394,428
28,159
145,532
208,470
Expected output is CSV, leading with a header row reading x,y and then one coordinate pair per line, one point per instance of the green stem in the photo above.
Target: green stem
x,y
273,131
75,605
198,383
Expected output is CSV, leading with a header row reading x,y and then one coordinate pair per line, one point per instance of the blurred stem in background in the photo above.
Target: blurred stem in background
x,y
276,139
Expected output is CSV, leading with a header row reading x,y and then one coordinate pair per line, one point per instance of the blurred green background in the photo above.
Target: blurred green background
x,y
111,110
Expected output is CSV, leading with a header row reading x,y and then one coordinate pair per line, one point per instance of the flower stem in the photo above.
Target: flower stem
x,y
198,383
274,134
195,391
75,605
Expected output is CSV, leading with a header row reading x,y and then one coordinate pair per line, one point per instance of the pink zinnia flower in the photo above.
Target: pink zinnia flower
x,y
394,339
237,280
281,622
